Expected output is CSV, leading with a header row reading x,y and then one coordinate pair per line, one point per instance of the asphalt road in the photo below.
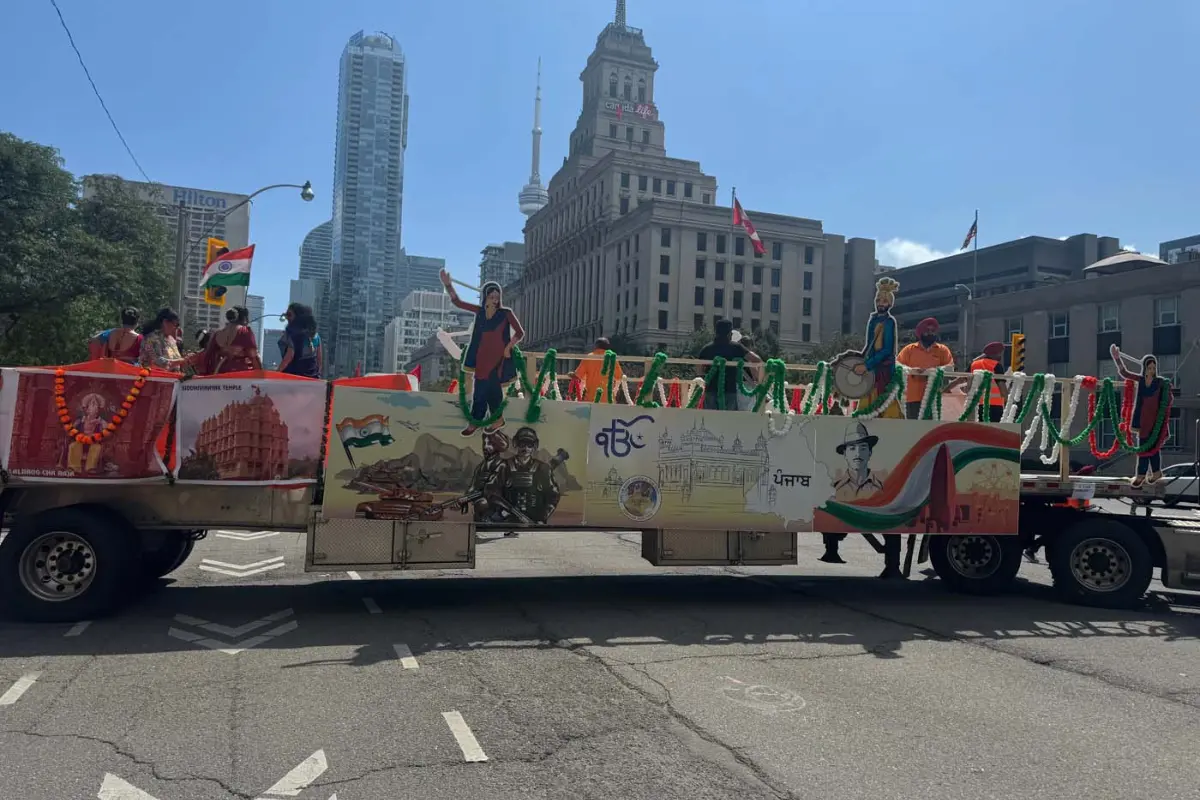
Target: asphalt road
x,y
566,667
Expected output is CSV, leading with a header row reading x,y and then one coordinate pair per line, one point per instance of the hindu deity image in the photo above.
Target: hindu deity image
x,y
92,419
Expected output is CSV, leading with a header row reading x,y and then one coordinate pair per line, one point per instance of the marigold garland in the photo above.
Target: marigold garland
x,y
64,412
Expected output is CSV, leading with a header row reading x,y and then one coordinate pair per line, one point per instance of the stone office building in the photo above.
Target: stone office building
x,y
632,241
1137,302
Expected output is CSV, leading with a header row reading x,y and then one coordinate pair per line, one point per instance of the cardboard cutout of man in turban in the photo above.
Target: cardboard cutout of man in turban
x,y
880,347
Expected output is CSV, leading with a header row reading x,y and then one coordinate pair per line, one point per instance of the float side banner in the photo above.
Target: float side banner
x,y
249,430
410,456
9,378
684,468
122,421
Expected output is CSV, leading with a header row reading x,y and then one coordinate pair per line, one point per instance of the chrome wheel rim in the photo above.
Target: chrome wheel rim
x,y
973,557
1101,565
57,566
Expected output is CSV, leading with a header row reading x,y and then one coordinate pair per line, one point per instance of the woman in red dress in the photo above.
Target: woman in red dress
x,y
489,355
233,348
1151,396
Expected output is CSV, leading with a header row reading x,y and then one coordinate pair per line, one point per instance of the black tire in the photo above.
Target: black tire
x,y
1101,562
102,560
976,564
174,550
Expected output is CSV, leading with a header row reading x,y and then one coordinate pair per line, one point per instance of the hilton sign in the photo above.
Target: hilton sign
x,y
193,197
643,110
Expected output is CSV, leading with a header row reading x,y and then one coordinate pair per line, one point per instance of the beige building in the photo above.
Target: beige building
x,y
1136,302
632,241
436,364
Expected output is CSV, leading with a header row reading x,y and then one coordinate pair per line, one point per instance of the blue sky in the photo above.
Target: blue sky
x,y
890,120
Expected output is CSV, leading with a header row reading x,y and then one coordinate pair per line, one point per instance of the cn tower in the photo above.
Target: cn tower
x,y
533,196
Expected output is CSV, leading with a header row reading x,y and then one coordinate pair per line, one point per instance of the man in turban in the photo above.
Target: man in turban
x,y
925,353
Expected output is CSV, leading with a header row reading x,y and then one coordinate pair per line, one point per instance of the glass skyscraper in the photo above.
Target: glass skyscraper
x,y
368,189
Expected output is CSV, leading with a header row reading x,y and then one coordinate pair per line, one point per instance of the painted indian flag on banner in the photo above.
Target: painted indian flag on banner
x,y
365,432
230,269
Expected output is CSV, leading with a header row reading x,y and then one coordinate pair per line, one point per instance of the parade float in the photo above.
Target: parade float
x,y
110,472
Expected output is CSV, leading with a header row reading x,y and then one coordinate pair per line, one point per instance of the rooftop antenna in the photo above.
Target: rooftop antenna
x,y
619,18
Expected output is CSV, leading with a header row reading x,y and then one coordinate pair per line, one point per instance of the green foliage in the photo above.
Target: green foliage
x,y
623,345
833,346
765,343
69,265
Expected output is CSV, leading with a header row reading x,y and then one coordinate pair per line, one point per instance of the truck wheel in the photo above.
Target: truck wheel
x,y
168,558
976,563
68,565
1100,562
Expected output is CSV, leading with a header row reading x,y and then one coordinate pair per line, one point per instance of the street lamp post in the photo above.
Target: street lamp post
x,y
306,194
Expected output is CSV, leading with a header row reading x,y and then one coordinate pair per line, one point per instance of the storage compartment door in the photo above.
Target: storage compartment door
x,y
764,548
676,547
362,543
436,545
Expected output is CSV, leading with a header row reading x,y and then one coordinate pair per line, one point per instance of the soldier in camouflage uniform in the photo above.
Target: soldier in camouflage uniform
x,y
494,446
525,482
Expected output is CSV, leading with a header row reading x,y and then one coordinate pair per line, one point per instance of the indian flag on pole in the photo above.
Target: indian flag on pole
x,y
229,269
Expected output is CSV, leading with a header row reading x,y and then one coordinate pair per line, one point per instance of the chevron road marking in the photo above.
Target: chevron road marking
x,y
19,688
241,570
246,536
113,788
300,778
234,647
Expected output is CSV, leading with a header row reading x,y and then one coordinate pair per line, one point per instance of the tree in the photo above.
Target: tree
x,y
68,265
765,343
833,346
623,345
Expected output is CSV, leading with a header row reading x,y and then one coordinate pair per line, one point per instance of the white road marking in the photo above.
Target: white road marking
x,y
354,576
232,648
241,570
301,776
113,788
78,628
372,606
19,688
462,734
246,536
405,655
212,627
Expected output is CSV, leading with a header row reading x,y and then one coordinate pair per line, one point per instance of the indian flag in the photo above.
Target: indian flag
x,y
231,269
365,432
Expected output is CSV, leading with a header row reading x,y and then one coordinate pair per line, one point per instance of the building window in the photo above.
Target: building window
x,y
1168,366
808,284
664,265
1105,368
629,133
700,264
612,130
737,322
641,90
739,246
664,292
643,183
698,322
664,238
777,251
618,301
1110,317
720,271
756,273
662,320
809,254
1060,327
706,199
635,299
806,332
1012,325
628,91
806,307
755,301
636,264
624,180
739,273
612,85
718,298
774,304
737,298
645,137
1104,435
755,324
1166,312
774,326
701,242
624,205
627,272
720,243
775,277
687,190
1059,368
658,185
699,295
637,243
671,188
1175,432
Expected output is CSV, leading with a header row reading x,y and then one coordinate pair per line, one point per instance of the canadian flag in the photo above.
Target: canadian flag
x,y
740,218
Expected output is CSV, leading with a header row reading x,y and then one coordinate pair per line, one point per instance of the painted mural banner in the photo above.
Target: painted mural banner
x,y
250,429
398,455
684,468
98,421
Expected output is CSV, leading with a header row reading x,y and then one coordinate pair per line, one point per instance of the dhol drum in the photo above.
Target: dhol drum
x,y
849,383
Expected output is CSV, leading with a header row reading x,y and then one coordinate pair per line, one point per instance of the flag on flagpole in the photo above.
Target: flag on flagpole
x,y
741,220
370,430
971,234
229,269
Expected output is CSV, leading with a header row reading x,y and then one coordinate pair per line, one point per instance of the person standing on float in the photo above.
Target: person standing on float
x,y
489,356
880,349
1151,397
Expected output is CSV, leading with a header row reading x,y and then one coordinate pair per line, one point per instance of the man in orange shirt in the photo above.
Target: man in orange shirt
x,y
991,361
925,353
590,373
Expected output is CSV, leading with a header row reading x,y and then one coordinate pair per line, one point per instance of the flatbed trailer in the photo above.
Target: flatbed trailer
x,y
77,550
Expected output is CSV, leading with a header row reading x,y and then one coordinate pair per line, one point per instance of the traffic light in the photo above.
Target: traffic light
x,y
215,295
1017,359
